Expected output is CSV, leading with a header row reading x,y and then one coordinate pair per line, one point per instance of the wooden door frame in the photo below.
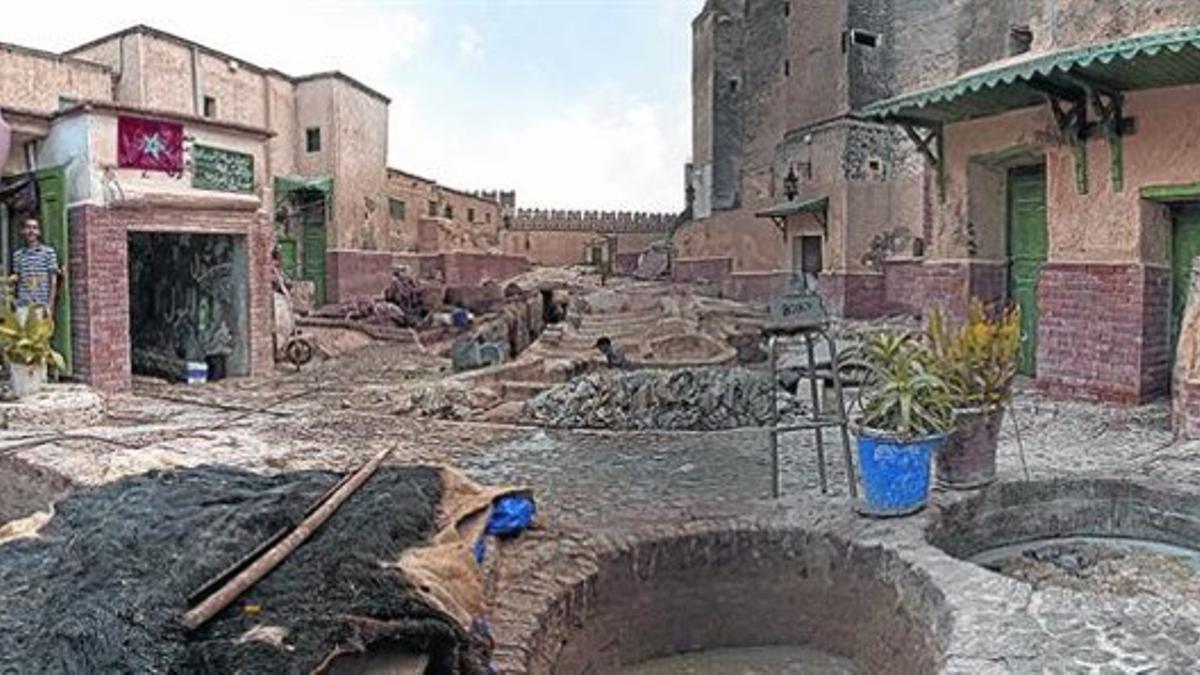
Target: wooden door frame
x,y
1173,334
1010,226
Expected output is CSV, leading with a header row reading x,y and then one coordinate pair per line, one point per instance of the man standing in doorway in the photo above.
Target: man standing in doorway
x,y
36,269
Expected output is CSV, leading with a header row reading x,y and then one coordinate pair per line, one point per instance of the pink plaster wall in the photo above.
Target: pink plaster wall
x,y
1103,225
712,270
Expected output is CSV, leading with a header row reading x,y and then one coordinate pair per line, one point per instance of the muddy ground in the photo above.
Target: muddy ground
x,y
335,414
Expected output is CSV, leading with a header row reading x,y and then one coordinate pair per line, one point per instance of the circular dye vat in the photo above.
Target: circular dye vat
x,y
1112,565
1107,536
742,601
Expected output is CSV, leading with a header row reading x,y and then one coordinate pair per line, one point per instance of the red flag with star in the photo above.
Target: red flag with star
x,y
149,144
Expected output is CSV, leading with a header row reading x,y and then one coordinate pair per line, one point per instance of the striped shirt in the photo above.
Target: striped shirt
x,y
34,267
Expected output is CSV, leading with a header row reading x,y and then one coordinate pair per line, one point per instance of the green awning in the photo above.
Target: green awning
x,y
313,191
1142,62
286,184
791,208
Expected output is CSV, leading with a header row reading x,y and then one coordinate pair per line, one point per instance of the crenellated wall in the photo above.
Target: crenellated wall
x,y
552,237
593,221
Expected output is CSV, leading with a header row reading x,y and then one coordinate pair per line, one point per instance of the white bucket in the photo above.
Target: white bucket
x,y
197,372
27,379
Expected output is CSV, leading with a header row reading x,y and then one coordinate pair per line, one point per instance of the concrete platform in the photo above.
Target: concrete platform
x,y
56,407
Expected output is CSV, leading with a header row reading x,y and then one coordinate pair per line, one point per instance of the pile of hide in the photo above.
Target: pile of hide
x,y
700,399
102,586
403,306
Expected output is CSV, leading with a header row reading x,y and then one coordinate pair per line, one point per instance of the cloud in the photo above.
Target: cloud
x,y
470,42
608,147
609,150
295,37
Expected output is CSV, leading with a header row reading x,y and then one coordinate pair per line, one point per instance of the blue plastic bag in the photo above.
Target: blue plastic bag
x,y
511,514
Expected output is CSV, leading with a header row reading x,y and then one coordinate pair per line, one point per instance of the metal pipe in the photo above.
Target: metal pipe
x,y
197,104
816,411
773,437
851,476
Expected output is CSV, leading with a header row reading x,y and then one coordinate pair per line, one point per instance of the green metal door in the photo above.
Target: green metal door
x,y
1028,243
287,256
313,265
1185,246
52,188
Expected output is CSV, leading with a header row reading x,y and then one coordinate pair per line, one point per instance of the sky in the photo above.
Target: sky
x,y
572,103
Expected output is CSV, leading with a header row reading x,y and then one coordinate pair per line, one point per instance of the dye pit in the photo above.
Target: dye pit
x,y
740,599
747,661
1116,565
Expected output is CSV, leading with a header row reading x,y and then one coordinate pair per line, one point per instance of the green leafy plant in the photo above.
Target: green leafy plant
x,y
28,342
904,394
978,361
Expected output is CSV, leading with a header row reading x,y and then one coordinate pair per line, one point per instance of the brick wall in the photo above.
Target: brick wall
x,y
423,265
626,263
693,270
756,286
853,295
1186,417
988,281
357,275
99,273
1102,331
945,285
260,295
914,287
462,268
1156,339
903,280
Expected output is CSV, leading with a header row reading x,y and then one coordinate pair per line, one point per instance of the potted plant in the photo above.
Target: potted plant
x,y
25,343
906,413
978,363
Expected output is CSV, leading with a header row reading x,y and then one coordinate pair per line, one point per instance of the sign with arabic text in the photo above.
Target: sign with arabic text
x,y
220,169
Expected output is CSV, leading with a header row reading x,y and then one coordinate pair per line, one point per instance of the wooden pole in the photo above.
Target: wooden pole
x,y
254,573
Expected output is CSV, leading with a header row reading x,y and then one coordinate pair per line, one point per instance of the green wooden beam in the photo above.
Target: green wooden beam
x,y
1181,192
941,165
1072,123
1117,151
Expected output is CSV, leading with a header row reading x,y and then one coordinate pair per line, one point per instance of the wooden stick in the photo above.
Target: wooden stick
x,y
280,551
229,572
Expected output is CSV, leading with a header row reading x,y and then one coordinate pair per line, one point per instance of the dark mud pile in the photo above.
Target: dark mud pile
x,y
103,588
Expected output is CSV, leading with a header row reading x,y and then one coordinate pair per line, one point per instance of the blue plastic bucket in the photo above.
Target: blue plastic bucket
x,y
894,475
197,372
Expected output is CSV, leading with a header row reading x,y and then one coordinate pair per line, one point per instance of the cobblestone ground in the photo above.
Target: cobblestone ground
x,y
603,486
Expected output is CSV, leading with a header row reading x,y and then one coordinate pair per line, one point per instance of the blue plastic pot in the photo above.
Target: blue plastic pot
x,y
894,474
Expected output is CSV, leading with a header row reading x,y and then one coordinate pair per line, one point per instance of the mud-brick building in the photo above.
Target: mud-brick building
x,y
151,154
156,215
553,237
1039,151
428,217
325,162
787,179
1068,184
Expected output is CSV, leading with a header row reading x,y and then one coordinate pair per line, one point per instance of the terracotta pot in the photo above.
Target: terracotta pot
x,y
968,459
27,379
